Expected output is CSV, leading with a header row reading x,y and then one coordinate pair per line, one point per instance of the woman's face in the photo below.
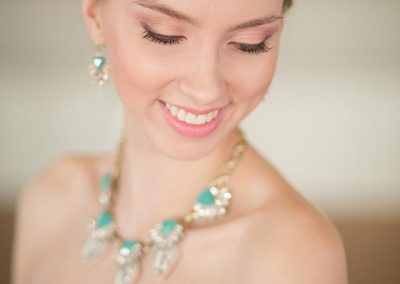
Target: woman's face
x,y
187,72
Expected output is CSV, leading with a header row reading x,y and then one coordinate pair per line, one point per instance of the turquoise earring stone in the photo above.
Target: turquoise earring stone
x,y
99,61
206,197
167,226
103,220
105,181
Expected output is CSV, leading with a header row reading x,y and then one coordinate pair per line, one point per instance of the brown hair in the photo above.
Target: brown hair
x,y
286,5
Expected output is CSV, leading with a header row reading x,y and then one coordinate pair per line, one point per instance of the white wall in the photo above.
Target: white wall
x,y
330,123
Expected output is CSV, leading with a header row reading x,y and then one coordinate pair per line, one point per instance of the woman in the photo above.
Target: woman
x,y
187,200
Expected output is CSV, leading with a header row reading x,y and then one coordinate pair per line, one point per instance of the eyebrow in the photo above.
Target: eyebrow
x,y
151,4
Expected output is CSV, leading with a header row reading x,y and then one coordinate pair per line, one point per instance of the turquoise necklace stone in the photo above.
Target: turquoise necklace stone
x,y
167,226
105,185
206,197
104,219
129,244
105,181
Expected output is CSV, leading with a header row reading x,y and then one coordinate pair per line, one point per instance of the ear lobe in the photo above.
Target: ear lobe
x,y
91,16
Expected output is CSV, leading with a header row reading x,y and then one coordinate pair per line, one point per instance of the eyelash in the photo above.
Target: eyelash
x,y
246,48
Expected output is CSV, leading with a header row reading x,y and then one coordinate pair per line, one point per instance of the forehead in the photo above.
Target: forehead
x,y
220,12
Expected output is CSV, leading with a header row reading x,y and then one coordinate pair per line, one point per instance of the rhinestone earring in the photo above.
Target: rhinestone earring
x,y
99,69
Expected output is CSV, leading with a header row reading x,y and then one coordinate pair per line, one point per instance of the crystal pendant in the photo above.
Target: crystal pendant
x,y
128,259
212,203
166,237
100,232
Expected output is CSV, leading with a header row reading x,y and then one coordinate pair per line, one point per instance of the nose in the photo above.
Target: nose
x,y
202,81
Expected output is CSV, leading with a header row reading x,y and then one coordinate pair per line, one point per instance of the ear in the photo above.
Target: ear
x,y
92,16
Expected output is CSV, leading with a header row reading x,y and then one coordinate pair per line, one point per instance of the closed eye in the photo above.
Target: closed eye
x,y
253,48
164,39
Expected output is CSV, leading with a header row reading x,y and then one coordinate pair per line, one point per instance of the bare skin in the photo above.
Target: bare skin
x,y
270,235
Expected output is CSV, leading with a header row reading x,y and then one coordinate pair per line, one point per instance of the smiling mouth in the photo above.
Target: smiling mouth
x,y
192,123
191,117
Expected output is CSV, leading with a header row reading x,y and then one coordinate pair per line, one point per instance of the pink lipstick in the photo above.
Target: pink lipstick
x,y
192,123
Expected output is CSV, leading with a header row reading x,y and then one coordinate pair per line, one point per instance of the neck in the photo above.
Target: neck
x,y
154,187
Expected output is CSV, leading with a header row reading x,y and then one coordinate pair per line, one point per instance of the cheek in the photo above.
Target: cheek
x,y
137,75
251,83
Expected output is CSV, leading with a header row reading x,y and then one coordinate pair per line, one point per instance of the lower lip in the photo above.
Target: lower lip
x,y
189,130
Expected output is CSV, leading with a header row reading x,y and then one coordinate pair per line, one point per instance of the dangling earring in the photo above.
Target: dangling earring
x,y
99,69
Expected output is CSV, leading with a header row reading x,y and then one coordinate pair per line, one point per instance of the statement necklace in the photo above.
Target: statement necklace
x,y
211,204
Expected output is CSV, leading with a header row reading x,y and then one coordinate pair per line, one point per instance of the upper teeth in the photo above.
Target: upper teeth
x,y
189,117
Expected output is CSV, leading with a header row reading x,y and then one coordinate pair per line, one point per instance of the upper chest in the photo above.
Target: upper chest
x,y
209,254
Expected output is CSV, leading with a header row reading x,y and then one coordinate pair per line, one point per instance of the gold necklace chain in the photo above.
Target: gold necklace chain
x,y
221,180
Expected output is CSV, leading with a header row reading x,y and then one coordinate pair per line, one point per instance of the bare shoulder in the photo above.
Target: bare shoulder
x,y
61,182
288,240
47,202
295,246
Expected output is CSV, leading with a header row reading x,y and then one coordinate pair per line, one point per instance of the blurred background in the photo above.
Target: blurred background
x,y
330,124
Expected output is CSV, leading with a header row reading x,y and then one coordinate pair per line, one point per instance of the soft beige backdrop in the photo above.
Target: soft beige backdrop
x,y
331,122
